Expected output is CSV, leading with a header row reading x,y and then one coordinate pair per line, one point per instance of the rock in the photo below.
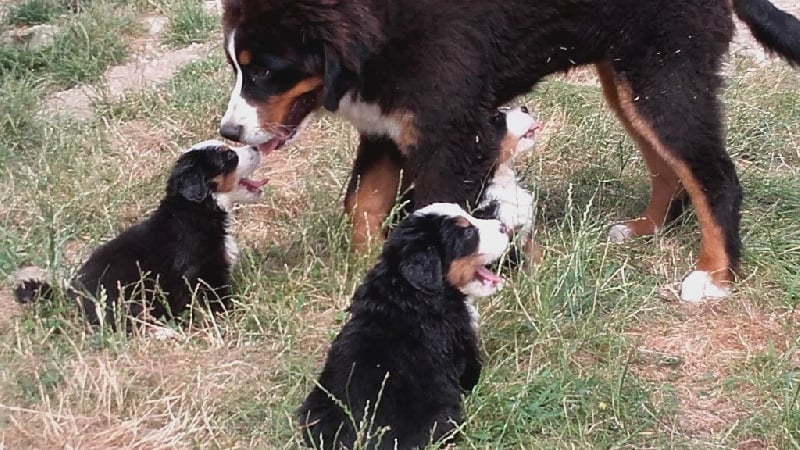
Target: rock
x,y
34,37
155,24
212,7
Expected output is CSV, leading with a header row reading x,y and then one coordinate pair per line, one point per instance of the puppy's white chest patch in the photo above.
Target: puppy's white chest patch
x,y
474,316
515,204
231,250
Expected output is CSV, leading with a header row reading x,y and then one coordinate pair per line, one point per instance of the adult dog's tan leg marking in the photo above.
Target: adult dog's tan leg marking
x,y
713,257
369,199
664,182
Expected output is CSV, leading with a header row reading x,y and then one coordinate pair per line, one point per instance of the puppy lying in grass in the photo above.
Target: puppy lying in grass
x,y
395,374
182,253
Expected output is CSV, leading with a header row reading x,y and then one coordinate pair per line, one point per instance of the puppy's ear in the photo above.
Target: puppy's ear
x,y
193,187
423,270
333,84
188,180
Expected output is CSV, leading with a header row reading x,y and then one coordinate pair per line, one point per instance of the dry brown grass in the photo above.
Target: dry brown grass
x,y
698,350
153,395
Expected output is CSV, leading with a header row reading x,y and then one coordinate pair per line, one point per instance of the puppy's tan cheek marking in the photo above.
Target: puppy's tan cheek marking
x,y
225,182
462,222
462,270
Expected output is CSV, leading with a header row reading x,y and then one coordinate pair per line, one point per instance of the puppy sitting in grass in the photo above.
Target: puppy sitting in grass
x,y
182,253
394,375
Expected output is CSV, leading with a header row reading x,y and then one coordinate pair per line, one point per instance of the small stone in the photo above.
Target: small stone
x,y
34,37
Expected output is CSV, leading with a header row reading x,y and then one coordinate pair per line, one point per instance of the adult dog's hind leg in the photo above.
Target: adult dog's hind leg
x,y
667,197
677,114
372,189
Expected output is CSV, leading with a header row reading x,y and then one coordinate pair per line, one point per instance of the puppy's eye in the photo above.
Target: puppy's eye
x,y
470,232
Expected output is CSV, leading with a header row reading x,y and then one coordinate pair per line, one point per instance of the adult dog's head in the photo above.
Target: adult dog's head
x,y
290,57
212,170
442,245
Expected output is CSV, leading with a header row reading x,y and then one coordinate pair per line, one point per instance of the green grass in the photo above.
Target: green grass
x,y
588,350
188,23
32,12
86,44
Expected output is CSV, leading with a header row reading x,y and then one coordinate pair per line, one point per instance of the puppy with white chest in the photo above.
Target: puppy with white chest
x,y
503,197
394,375
180,254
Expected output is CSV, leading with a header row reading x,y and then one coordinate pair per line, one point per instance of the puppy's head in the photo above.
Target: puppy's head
x,y
517,128
212,169
441,244
290,58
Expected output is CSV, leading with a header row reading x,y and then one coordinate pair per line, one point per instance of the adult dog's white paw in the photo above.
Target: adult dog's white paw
x,y
699,285
163,333
619,233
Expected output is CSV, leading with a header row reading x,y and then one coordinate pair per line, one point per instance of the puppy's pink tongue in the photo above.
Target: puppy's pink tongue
x,y
487,275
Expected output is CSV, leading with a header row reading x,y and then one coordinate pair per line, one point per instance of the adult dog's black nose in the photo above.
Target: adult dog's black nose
x,y
231,131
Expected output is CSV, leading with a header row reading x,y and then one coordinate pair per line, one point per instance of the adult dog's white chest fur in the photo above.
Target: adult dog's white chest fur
x,y
368,117
370,120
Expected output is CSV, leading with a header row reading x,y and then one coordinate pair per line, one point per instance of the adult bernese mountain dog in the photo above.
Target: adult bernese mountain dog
x,y
419,78
395,374
182,253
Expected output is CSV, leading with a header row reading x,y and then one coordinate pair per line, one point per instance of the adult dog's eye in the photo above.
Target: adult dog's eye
x,y
259,74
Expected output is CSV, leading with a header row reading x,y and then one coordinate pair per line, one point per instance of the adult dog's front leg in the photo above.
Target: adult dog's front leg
x,y
372,189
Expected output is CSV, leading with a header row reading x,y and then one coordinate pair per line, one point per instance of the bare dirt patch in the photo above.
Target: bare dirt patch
x,y
698,350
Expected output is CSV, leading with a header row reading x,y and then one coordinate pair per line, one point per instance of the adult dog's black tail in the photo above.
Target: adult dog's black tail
x,y
30,284
777,30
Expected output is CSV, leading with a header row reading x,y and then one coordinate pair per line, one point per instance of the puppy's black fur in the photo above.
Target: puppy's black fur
x,y
162,264
409,350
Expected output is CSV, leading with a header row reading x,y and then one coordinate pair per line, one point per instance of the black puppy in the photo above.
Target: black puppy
x,y
395,374
182,252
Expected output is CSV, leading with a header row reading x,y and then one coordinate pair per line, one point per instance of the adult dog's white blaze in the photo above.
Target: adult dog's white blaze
x,y
240,112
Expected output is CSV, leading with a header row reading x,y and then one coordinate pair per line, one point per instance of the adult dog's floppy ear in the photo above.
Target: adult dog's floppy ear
x,y
333,84
423,270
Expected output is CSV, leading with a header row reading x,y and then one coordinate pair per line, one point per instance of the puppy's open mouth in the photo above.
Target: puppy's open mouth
x,y
251,185
531,133
487,277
